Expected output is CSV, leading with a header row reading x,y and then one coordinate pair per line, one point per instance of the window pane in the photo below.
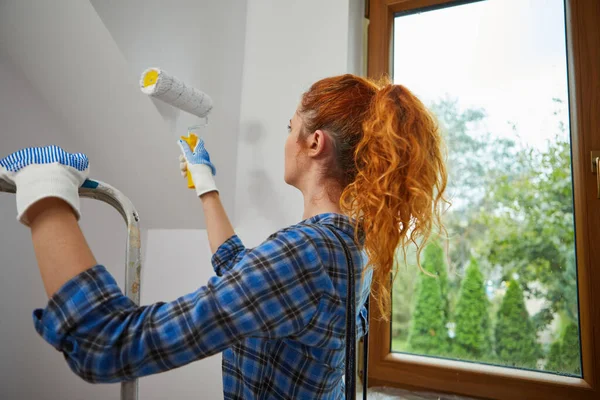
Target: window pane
x,y
495,74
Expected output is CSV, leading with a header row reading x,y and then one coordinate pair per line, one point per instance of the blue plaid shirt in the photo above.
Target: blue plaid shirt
x,y
277,312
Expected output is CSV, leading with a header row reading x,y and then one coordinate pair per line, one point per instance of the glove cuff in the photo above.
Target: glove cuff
x,y
36,182
203,178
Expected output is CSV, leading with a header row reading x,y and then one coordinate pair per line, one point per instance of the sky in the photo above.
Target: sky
x,y
506,56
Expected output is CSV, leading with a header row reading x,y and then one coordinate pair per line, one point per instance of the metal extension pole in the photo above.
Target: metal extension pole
x,y
133,264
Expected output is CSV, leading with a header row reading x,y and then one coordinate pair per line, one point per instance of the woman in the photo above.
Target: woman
x,y
368,161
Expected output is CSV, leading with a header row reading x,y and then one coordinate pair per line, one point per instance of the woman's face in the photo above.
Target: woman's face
x,y
293,152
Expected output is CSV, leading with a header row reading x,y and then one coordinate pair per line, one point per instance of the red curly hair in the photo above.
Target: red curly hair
x,y
389,163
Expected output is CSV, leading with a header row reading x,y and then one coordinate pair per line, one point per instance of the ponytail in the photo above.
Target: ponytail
x,y
399,185
396,163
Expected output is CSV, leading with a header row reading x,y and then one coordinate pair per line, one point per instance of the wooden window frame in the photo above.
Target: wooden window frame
x,y
471,379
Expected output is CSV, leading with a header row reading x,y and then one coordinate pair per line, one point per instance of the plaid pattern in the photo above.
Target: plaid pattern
x,y
277,312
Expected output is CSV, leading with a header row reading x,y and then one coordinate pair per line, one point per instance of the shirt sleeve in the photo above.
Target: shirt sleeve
x,y
228,254
274,291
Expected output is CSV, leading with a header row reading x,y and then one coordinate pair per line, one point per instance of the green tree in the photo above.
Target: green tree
x,y
571,353
555,361
403,295
534,234
428,334
564,356
533,224
473,335
470,174
512,206
515,335
434,260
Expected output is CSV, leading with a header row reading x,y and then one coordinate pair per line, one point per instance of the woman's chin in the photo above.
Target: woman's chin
x,y
290,180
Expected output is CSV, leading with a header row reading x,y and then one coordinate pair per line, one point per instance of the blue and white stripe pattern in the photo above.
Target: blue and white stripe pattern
x,y
277,312
44,155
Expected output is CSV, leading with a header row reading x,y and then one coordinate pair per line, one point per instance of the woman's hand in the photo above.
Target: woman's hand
x,y
44,172
199,165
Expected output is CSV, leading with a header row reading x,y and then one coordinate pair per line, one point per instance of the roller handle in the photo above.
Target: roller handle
x,y
192,140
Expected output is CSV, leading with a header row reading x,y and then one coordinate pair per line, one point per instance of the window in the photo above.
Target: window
x,y
511,304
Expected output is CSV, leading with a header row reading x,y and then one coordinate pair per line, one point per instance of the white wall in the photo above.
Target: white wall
x,y
277,69
201,42
29,367
178,262
283,46
289,45
37,44
356,38
90,78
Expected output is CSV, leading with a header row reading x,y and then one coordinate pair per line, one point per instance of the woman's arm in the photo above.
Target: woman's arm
x,y
62,251
197,163
226,247
47,181
60,247
274,291
218,225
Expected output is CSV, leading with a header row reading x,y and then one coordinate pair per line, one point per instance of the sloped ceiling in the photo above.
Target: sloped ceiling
x,y
84,59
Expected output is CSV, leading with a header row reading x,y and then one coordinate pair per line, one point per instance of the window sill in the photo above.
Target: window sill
x,y
388,393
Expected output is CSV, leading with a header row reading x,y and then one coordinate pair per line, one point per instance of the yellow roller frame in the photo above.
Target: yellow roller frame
x,y
192,140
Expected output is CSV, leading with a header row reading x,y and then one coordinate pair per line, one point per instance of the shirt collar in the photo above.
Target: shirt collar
x,y
342,222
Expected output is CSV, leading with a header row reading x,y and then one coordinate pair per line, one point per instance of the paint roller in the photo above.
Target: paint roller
x,y
158,83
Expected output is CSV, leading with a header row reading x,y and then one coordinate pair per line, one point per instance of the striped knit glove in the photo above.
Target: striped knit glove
x,y
200,167
41,172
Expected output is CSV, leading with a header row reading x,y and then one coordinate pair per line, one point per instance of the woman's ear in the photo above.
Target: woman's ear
x,y
317,143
